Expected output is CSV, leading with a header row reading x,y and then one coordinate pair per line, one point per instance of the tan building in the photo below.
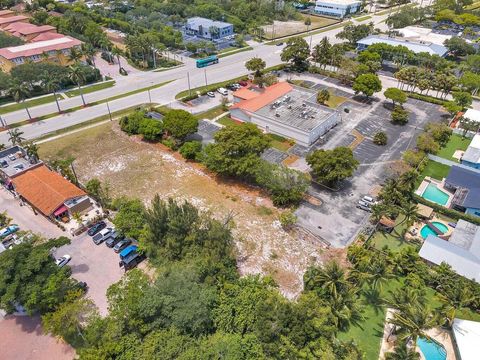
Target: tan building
x,y
55,50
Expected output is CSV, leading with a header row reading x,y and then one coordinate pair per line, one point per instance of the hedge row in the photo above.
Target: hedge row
x,y
454,214
427,98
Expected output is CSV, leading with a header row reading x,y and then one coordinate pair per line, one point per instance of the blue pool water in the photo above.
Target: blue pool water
x,y
427,230
432,350
434,194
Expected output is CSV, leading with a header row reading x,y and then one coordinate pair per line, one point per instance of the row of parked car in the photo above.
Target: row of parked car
x,y
366,203
224,91
129,256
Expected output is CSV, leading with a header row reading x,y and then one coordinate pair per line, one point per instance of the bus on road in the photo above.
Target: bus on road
x,y
207,61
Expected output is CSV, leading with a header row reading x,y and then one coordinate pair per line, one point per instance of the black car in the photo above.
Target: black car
x,y
122,244
113,239
132,260
96,228
82,285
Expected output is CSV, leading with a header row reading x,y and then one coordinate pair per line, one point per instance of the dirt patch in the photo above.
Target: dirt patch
x,y
138,169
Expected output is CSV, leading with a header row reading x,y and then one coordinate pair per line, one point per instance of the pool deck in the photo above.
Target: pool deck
x,y
443,337
439,184
420,224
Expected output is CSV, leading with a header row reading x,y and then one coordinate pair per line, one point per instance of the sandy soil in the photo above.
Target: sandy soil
x,y
139,169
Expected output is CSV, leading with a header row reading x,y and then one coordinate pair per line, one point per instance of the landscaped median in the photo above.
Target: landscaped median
x,y
233,52
29,103
90,89
116,97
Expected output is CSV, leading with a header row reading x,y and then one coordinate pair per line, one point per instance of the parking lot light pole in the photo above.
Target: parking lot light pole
x,y
189,87
205,72
149,96
109,112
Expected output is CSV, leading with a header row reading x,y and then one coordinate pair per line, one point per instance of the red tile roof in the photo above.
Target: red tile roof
x,y
245,94
38,48
46,36
12,19
269,95
44,189
27,28
4,13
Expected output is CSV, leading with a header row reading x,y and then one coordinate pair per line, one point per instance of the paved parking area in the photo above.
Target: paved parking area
x,y
206,131
97,265
274,156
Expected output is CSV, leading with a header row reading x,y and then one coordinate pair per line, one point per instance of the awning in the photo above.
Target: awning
x,y
60,210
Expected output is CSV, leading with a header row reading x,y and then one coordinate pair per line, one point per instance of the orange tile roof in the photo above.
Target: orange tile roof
x,y
245,94
4,13
46,36
44,189
269,95
38,48
28,29
12,19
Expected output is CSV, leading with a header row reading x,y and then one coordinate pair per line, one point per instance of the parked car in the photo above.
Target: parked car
x,y
211,94
102,236
231,87
96,228
279,43
9,230
243,83
62,261
113,238
369,200
128,250
363,207
133,259
222,91
122,244
363,203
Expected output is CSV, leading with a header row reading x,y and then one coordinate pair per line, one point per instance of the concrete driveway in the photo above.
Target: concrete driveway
x,y
97,265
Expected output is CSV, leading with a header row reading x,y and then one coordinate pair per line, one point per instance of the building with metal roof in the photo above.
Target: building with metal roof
x,y
414,46
285,110
465,184
471,157
466,335
337,8
461,251
208,29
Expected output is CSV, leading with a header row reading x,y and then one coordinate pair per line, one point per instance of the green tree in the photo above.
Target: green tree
x,y
297,52
322,52
75,55
257,65
151,129
51,85
19,91
332,166
452,107
179,124
15,136
396,95
32,151
462,99
427,144
367,84
353,33
402,352
459,46
413,320
191,150
323,96
130,218
76,74
399,115
380,138
236,150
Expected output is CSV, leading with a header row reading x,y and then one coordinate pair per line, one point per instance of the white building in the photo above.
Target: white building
x,y
285,110
337,8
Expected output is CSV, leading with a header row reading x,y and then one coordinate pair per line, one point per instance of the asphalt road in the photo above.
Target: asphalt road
x,y
229,67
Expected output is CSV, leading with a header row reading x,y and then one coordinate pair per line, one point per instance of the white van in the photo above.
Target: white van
x,y
222,91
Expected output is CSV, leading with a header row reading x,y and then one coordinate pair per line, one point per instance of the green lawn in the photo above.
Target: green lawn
x,y
212,113
456,142
279,142
90,89
435,170
363,18
225,120
30,103
239,50
334,101
394,240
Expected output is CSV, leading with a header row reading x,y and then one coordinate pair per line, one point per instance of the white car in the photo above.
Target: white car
x,y
369,199
61,262
102,236
211,94
222,91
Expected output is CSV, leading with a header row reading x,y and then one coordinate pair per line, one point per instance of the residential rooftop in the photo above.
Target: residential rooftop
x,y
5,13
473,115
12,19
467,182
472,154
20,28
14,161
467,236
37,48
415,46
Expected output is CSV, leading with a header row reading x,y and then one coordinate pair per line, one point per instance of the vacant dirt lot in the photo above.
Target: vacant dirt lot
x,y
138,169
285,28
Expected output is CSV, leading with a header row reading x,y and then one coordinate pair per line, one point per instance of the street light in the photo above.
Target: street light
x,y
205,72
109,112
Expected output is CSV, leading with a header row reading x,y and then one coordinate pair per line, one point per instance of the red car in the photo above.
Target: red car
x,y
243,82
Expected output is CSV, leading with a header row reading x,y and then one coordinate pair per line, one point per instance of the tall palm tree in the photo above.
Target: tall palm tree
x,y
75,55
76,74
19,91
410,213
16,137
32,150
413,320
378,273
457,298
89,51
331,278
51,85
117,52
401,352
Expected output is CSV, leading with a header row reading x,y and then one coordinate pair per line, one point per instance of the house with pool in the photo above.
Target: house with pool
x,y
471,157
461,251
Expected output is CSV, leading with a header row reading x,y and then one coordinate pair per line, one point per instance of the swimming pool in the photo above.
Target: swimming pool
x,y
434,194
431,349
427,230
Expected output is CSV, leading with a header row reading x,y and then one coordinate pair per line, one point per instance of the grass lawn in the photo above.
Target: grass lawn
x,y
280,143
211,114
92,88
363,18
30,103
394,240
435,170
232,52
225,120
334,101
456,142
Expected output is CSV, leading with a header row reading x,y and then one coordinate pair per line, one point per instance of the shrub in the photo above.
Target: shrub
x,y
170,143
151,129
190,150
399,115
131,123
427,98
426,143
380,138
287,219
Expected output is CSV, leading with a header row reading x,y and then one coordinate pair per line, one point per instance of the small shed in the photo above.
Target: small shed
x,y
424,211
386,224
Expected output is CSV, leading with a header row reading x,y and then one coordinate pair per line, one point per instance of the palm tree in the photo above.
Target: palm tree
x,y
410,213
32,150
77,217
19,91
413,320
454,299
402,352
89,51
346,309
77,75
75,55
51,85
331,278
379,273
16,137
117,52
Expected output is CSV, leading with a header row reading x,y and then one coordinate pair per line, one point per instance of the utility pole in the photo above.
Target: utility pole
x,y
311,36
109,112
205,72
154,53
189,87
5,126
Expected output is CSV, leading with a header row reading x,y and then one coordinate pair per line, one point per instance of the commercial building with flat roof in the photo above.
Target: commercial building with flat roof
x,y
208,29
285,110
337,8
414,46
